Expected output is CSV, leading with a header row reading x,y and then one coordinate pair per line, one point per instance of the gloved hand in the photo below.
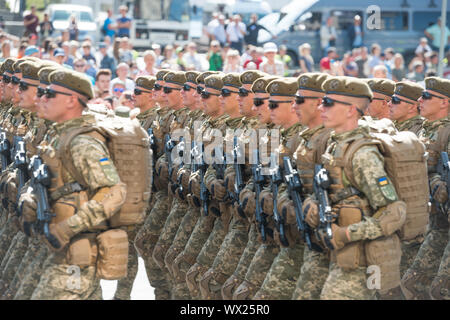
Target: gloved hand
x,y
311,210
286,208
60,235
28,207
194,184
339,239
162,171
229,180
266,200
439,191
218,190
183,176
247,200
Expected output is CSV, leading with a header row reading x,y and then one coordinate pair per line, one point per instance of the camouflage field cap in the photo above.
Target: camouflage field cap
x,y
201,78
347,86
72,80
175,77
383,86
17,64
44,72
122,111
439,85
282,87
408,89
30,70
214,82
191,76
312,81
232,80
161,73
260,85
250,76
8,65
146,82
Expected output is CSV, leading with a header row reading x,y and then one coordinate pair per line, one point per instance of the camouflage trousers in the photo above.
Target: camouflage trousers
x,y
440,287
186,259
346,284
180,290
208,253
417,279
125,285
257,270
32,274
282,277
313,274
7,234
410,248
34,245
226,260
168,232
146,239
62,281
238,275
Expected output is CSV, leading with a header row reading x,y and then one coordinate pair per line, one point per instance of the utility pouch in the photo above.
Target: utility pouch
x,y
112,254
83,250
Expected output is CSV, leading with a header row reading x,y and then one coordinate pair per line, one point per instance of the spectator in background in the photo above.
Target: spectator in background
x,y
122,72
169,56
81,65
6,49
349,66
253,30
32,51
108,26
123,23
236,30
328,35
389,58
418,73
374,59
325,62
117,88
73,48
87,55
255,58
380,71
434,34
65,36
212,25
215,57
106,60
122,50
59,56
32,39
432,61
21,52
362,61
423,46
271,65
134,71
159,58
149,60
398,71
284,58
306,61
66,47
31,22
191,57
232,62
355,32
46,27
218,32
73,28
180,63
102,83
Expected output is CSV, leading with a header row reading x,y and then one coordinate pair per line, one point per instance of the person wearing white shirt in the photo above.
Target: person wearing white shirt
x,y
192,58
236,30
271,65
328,35
423,46
122,76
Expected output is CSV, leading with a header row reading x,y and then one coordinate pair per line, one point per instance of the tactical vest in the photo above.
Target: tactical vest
x,y
435,145
413,125
309,153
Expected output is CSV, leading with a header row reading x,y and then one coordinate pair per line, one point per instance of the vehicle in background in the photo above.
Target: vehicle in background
x,y
60,14
402,24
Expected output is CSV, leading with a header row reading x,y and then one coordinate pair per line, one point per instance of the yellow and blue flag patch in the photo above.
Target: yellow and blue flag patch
x,y
382,181
104,161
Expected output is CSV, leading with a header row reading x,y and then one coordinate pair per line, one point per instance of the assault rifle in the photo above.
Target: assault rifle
x,y
444,171
40,181
180,150
238,180
5,150
168,147
295,186
154,147
320,185
277,179
20,162
200,164
258,181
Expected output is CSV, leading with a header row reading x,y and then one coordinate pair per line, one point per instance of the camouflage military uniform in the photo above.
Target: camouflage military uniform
x,y
418,278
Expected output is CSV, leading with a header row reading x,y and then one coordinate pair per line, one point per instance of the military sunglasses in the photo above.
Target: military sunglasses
x,y
226,93
40,92
275,104
259,101
243,92
23,86
381,99
168,90
187,87
138,92
50,93
329,102
14,80
157,87
301,99
397,100
427,96
205,94
200,89
6,79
